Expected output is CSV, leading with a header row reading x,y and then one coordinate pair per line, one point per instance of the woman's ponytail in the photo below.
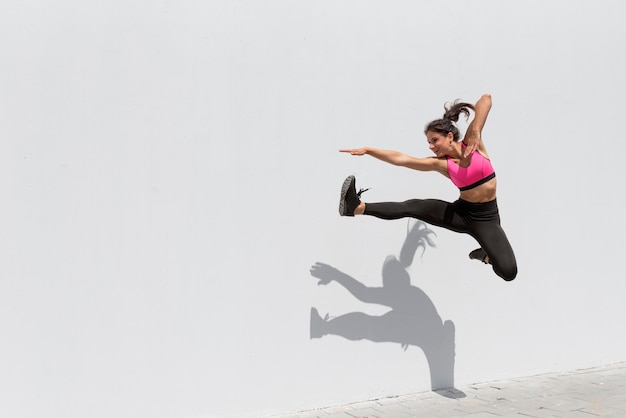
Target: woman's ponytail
x,y
454,110
446,124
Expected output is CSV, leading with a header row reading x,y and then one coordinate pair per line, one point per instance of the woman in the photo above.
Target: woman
x,y
464,162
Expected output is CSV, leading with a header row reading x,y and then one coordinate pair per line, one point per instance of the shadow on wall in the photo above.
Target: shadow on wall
x,y
412,320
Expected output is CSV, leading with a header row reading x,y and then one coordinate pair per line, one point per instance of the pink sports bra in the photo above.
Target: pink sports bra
x,y
478,172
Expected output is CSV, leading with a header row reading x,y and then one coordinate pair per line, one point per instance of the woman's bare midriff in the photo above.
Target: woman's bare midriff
x,y
484,193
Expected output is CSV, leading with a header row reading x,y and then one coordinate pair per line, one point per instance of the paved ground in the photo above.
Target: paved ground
x,y
581,394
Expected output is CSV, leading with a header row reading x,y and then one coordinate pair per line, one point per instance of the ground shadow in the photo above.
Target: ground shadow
x,y
412,320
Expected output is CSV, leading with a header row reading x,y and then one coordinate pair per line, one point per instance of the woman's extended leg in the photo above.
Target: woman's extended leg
x,y
435,212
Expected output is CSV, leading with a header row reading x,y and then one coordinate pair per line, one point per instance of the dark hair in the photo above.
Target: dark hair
x,y
446,123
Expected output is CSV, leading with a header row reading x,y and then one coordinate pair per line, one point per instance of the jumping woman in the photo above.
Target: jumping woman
x,y
467,164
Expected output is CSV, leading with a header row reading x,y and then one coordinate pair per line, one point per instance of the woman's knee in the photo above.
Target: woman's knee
x,y
508,272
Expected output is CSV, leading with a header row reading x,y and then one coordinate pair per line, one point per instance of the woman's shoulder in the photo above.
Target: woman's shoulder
x,y
441,164
480,149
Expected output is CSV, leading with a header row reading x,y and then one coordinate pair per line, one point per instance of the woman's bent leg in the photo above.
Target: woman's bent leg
x,y
493,240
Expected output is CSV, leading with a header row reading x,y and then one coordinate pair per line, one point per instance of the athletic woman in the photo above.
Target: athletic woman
x,y
467,164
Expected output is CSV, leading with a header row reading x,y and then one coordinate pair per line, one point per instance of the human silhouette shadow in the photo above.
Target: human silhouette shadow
x,y
412,320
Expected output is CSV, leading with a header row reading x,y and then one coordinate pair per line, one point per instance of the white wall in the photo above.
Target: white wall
x,y
169,174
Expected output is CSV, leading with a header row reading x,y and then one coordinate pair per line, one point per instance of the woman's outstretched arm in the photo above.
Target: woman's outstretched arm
x,y
398,158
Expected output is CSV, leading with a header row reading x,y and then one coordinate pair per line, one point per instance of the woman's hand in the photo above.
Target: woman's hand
x,y
355,151
472,139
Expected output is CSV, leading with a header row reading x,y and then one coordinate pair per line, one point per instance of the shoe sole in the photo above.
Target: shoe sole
x,y
342,198
478,254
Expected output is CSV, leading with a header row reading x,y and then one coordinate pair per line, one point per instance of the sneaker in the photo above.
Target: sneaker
x,y
350,198
478,254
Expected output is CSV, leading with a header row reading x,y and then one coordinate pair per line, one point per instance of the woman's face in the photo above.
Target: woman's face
x,y
440,144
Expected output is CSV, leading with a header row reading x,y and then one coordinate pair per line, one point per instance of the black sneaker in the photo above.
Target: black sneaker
x,y
478,254
350,198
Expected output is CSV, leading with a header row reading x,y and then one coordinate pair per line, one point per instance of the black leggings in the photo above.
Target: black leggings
x,y
480,220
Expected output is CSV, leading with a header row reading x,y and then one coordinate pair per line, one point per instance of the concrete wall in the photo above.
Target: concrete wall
x,y
169,176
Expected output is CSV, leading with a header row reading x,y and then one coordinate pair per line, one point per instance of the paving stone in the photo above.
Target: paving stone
x,y
577,414
338,415
365,413
589,393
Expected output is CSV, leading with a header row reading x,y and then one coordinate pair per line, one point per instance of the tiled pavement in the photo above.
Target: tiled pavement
x,y
597,392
